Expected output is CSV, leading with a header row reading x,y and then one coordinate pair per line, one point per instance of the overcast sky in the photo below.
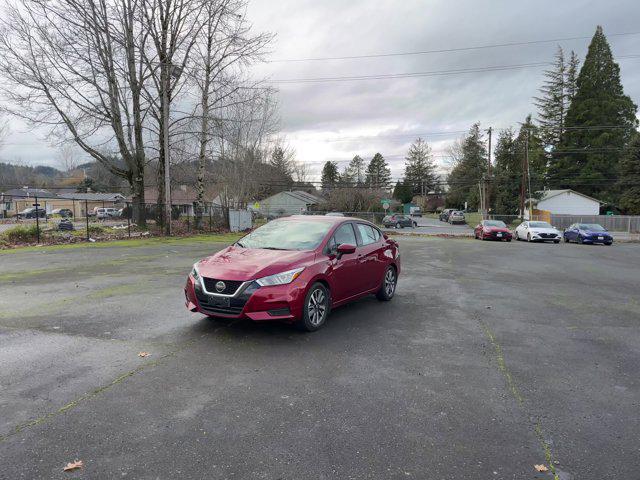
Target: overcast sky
x,y
336,120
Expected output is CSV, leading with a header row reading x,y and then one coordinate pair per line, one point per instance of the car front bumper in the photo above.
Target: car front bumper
x,y
278,302
494,235
597,239
545,238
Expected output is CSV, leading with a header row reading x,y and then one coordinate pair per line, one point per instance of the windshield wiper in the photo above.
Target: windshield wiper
x,y
240,244
272,248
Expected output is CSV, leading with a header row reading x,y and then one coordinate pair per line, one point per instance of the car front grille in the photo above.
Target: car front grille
x,y
547,235
212,305
229,289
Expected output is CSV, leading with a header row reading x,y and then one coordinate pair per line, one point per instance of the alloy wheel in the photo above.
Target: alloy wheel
x,y
317,307
390,282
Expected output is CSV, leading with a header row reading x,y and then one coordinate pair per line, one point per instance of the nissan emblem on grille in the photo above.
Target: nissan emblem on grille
x,y
220,286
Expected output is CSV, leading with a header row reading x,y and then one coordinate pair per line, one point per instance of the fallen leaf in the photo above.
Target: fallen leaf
x,y
73,466
541,468
144,354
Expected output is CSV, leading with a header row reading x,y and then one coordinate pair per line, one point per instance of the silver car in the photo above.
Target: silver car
x,y
456,217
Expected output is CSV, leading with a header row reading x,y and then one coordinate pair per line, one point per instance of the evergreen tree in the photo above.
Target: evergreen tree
x,y
281,161
552,104
420,169
507,174
403,192
378,174
356,170
599,123
629,183
468,172
571,78
330,175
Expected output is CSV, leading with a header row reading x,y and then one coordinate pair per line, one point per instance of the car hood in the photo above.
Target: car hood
x,y
591,232
242,264
497,229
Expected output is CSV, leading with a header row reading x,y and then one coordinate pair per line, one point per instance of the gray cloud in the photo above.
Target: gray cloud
x,y
314,115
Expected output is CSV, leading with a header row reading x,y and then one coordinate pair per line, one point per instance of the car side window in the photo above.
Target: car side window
x,y
345,234
367,234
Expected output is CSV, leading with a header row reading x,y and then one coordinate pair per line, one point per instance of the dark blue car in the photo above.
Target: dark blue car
x,y
587,233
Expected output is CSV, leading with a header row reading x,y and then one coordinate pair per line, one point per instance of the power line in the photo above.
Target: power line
x,y
434,73
445,50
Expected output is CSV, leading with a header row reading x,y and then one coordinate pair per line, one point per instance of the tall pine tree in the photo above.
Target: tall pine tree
x,y
378,173
330,175
468,172
599,123
356,170
507,174
419,168
629,183
552,103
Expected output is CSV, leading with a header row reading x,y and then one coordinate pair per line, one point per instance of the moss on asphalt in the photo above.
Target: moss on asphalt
x,y
133,243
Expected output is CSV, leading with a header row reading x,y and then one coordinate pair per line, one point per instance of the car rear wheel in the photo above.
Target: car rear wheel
x,y
316,308
398,225
388,288
528,237
580,240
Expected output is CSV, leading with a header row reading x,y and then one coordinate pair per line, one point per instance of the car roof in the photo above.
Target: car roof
x,y
322,218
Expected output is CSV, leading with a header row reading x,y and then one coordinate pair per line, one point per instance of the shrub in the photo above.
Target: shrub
x,y
21,234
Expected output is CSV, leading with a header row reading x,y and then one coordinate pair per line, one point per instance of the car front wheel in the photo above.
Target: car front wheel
x,y
316,308
388,288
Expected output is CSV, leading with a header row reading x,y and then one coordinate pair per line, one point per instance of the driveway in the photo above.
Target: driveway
x,y
432,226
492,358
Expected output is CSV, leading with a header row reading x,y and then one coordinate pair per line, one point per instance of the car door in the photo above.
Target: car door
x,y
522,230
345,270
370,255
572,232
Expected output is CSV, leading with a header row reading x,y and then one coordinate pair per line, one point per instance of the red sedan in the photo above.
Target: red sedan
x,y
295,269
492,230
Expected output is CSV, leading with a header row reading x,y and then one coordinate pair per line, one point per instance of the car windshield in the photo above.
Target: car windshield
x,y
594,227
494,223
287,235
539,225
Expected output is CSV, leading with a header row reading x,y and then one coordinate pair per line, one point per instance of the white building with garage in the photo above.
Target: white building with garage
x,y
566,202
281,204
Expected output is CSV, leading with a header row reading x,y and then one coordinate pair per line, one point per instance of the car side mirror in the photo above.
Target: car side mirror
x,y
345,248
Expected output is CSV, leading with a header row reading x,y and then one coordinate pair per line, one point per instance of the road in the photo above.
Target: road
x,y
492,358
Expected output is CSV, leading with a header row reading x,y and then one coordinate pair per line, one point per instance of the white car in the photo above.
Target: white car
x,y
535,231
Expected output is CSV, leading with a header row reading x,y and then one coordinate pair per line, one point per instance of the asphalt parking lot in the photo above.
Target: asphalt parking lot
x,y
492,358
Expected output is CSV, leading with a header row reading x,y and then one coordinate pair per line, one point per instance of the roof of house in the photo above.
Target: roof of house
x,y
29,192
99,197
305,197
547,194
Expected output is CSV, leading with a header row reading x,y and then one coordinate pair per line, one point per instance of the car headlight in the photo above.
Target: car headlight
x,y
195,273
282,278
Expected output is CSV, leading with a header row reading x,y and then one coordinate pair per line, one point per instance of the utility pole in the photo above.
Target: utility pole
x,y
523,181
488,189
529,177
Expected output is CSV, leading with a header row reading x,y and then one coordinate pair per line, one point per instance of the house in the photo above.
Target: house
x,y
183,197
16,200
565,202
286,203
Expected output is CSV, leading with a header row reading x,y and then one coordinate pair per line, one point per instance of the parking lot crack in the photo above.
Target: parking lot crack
x,y
97,391
517,395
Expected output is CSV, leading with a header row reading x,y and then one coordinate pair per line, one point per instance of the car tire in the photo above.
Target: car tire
x,y
415,224
528,237
566,240
317,305
556,241
389,283
515,234
580,240
398,226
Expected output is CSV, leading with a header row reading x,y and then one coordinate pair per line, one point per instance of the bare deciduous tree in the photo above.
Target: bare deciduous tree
x,y
75,66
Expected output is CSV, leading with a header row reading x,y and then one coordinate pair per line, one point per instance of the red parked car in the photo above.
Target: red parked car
x,y
295,269
492,230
